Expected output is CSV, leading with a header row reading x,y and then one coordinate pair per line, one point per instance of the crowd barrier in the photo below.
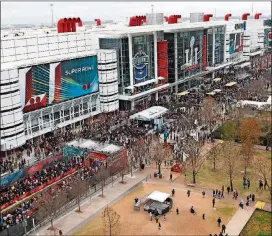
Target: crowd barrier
x,y
34,222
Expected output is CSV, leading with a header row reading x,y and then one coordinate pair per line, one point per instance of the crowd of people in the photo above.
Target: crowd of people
x,y
114,128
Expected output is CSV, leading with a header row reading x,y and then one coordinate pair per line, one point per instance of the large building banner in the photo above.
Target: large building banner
x,y
236,43
47,84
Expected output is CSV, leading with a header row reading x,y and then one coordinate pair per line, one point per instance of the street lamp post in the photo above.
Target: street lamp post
x,y
52,14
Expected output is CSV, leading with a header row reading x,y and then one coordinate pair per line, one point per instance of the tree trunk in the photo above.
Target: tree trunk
x,y
214,163
245,167
51,221
78,203
231,185
194,177
122,177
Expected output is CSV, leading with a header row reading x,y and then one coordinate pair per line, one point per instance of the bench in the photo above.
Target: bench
x,y
191,185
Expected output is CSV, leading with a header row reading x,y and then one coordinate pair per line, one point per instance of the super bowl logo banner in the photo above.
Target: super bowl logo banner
x,y
140,65
192,62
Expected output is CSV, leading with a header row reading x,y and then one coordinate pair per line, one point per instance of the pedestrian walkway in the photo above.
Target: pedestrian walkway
x,y
72,221
239,220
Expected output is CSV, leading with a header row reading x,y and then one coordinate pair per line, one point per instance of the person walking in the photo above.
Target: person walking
x,y
236,196
159,226
248,183
223,228
150,216
213,193
164,217
203,216
188,193
213,202
173,192
60,232
203,194
171,177
222,193
253,197
157,219
219,221
216,192
177,211
228,189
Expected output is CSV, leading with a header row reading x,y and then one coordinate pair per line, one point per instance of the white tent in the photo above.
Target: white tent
x,y
150,113
211,93
230,84
217,90
182,93
158,196
216,79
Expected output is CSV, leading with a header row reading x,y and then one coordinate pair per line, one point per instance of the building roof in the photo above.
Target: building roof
x,y
150,113
95,146
158,196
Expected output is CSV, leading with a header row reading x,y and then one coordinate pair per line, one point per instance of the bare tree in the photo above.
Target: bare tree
x,y
262,167
209,112
79,189
215,154
49,205
194,161
102,175
158,152
111,222
231,160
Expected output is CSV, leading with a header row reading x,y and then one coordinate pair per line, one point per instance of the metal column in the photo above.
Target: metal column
x,y
176,61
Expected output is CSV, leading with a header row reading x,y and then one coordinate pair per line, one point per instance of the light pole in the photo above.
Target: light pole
x,y
52,14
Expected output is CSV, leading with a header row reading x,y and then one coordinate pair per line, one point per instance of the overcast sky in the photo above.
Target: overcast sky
x,y
39,12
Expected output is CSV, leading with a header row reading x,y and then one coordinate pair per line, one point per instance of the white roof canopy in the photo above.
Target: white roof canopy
x,y
150,113
182,93
158,196
217,79
146,82
211,93
217,90
230,84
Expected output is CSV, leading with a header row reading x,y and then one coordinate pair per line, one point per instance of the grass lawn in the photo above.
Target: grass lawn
x,y
259,224
208,178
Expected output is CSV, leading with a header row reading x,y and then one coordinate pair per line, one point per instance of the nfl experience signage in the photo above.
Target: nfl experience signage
x,y
140,65
240,26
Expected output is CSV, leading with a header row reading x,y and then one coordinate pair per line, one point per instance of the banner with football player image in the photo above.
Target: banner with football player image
x,y
235,43
140,66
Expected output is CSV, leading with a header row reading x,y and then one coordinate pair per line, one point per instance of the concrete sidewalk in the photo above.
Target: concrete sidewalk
x,y
239,220
72,221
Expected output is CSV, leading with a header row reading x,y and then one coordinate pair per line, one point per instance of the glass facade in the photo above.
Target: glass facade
x,y
121,47
143,58
189,47
219,46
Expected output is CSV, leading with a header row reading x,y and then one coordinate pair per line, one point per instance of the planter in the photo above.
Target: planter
x,y
160,176
155,175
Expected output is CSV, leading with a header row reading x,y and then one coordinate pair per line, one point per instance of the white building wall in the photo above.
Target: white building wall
x,y
108,80
12,125
36,46
230,29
